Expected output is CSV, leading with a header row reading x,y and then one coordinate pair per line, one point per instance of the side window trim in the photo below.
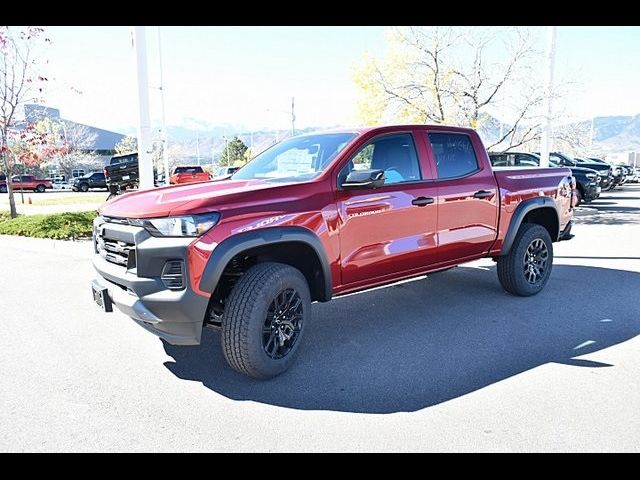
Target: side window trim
x,y
377,138
437,178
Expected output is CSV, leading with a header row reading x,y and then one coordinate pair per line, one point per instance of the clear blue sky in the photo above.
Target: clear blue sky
x,y
246,76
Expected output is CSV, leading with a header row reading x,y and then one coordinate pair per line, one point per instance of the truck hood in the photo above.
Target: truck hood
x,y
180,199
584,170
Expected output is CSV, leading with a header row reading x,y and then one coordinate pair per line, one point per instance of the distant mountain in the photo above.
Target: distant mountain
x,y
611,134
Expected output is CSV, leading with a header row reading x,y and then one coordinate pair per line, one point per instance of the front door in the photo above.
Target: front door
x,y
391,229
467,197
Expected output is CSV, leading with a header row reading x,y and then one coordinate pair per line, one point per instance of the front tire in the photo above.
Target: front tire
x,y
84,187
526,269
264,320
3,189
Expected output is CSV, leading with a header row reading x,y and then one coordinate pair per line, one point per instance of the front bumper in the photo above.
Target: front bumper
x,y
139,292
591,192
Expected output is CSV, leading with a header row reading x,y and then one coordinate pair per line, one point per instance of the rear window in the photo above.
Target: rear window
x,y
189,170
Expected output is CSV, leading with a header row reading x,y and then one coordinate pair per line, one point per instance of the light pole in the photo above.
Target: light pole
x,y
292,113
145,166
226,149
545,140
165,141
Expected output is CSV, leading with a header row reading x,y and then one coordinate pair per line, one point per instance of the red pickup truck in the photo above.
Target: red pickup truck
x,y
317,216
26,182
189,175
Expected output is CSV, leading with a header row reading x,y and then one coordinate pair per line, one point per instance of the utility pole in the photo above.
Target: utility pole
x,y
165,138
545,140
145,164
198,147
226,149
293,117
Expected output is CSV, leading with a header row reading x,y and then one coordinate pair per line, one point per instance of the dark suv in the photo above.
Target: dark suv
x,y
588,180
565,160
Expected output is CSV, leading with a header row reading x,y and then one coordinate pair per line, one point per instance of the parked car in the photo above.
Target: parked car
x,y
587,180
59,182
604,170
89,181
188,174
299,224
224,173
26,182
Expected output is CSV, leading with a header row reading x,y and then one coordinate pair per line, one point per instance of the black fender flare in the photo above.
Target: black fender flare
x,y
518,217
232,246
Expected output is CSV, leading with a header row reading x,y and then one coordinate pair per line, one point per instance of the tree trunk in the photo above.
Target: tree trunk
x,y
8,173
12,200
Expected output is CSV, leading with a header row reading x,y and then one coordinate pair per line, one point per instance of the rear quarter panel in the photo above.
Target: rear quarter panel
x,y
519,184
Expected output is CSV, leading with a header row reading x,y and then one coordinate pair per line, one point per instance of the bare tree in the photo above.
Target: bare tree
x,y
20,83
460,76
573,138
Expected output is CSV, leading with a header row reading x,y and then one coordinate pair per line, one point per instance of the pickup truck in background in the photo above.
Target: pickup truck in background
x,y
26,182
318,216
186,174
121,173
89,181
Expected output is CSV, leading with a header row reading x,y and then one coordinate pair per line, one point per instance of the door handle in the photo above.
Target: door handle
x,y
423,201
483,194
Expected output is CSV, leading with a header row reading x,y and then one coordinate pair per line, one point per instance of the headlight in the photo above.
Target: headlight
x,y
591,176
187,226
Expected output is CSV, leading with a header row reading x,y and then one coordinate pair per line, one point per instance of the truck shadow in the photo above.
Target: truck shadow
x,y
418,344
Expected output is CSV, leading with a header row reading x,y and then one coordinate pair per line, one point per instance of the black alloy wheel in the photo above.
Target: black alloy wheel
x,y
283,324
535,261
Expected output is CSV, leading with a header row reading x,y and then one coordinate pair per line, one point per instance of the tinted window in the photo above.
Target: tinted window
x,y
395,154
523,160
189,170
98,176
498,160
454,154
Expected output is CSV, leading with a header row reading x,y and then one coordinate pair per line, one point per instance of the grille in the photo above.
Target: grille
x,y
117,251
173,274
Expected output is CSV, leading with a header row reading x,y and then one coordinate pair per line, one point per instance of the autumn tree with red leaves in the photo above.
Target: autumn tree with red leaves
x,y
21,82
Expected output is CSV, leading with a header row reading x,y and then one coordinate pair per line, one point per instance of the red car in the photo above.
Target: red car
x,y
26,182
188,175
317,216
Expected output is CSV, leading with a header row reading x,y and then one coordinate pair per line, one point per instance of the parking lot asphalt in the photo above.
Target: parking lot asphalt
x,y
446,363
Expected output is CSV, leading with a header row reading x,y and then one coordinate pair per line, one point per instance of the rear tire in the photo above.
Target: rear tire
x,y
40,188
264,320
526,269
3,189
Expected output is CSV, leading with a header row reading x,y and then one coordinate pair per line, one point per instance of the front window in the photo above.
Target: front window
x,y
296,159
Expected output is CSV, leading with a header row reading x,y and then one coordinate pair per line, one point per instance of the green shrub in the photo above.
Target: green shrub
x,y
61,226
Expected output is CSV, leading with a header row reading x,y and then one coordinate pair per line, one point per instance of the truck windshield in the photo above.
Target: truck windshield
x,y
296,159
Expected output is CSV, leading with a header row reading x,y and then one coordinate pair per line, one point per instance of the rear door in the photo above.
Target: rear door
x,y
467,195
392,229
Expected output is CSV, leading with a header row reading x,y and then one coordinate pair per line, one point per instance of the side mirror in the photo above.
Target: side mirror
x,y
364,179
